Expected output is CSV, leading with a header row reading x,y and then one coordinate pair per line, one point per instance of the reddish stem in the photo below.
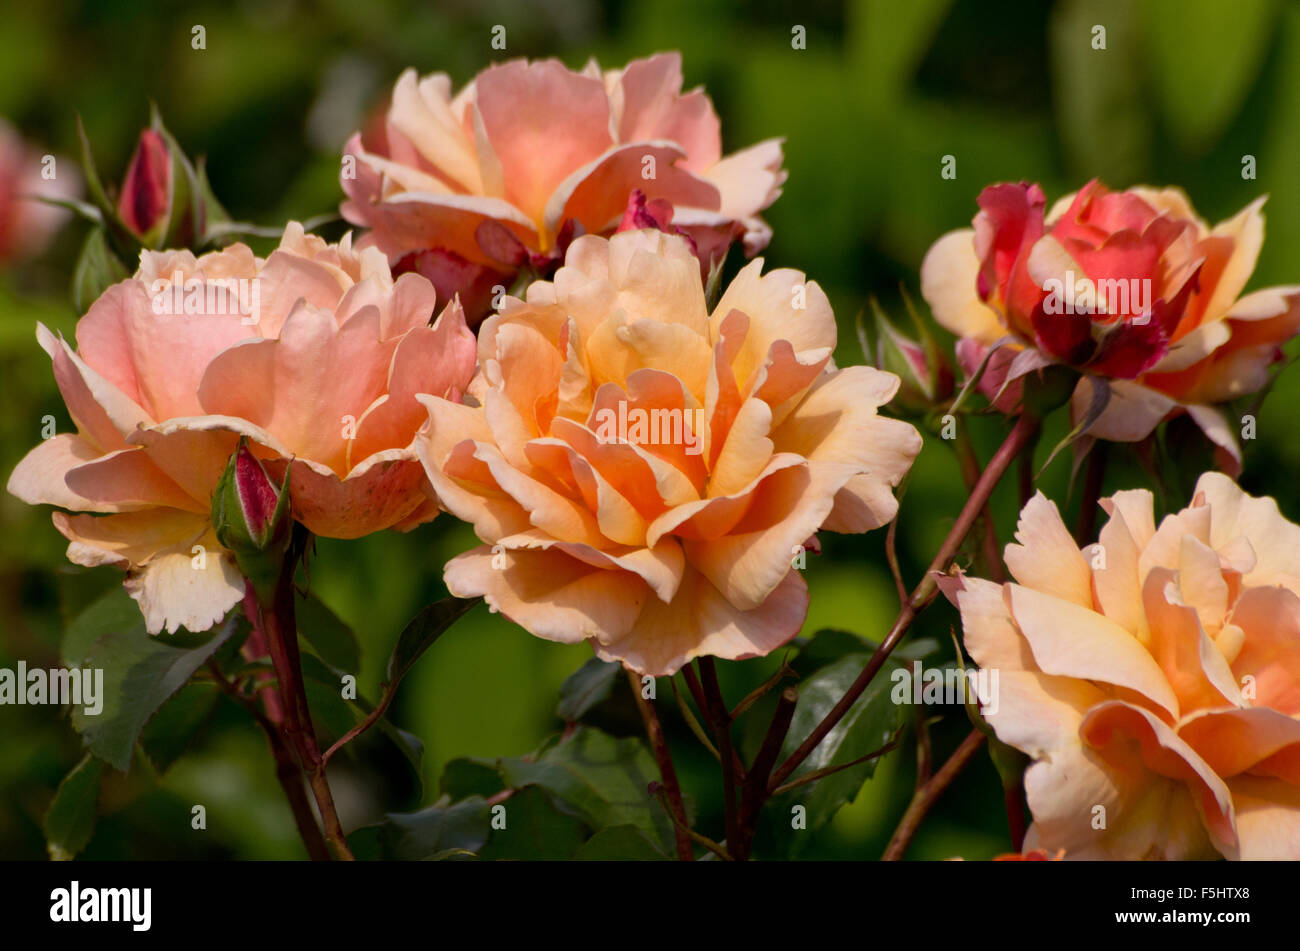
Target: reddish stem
x,y
1021,435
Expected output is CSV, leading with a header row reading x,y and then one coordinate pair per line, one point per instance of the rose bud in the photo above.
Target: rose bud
x,y
145,202
926,377
251,517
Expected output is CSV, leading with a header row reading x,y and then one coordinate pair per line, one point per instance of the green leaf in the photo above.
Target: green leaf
x,y
620,844
870,724
97,270
70,821
93,184
827,646
585,688
140,671
173,728
537,830
605,780
332,639
437,832
425,628
471,776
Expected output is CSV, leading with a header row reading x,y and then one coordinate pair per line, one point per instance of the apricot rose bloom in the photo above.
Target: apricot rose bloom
x,y
645,474
1155,294
315,354
1154,678
469,188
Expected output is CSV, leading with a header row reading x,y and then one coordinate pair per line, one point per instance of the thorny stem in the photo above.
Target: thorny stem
x,y
970,473
928,793
278,625
286,770
720,720
659,744
1020,437
1085,528
702,703
1026,467
754,792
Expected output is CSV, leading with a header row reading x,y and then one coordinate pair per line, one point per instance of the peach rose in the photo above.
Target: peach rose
x,y
1153,678
1130,287
315,355
646,475
470,188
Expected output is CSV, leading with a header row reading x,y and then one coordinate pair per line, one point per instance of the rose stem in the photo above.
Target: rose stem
x,y
659,744
721,721
927,794
1086,526
282,637
286,770
1021,435
754,792
970,473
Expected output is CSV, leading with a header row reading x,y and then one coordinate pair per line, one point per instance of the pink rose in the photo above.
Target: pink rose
x,y
503,174
27,224
1130,287
1153,678
648,475
316,355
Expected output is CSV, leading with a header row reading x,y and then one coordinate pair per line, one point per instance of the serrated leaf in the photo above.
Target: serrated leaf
x,y
587,687
620,844
606,781
536,829
471,776
171,731
140,670
70,820
434,833
870,724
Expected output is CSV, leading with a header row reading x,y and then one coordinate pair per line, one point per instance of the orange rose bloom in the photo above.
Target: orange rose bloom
x,y
646,475
1154,678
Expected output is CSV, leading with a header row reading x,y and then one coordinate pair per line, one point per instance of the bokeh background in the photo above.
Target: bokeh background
x,y
883,91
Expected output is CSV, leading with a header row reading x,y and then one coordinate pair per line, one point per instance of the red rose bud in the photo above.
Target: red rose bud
x,y
251,517
145,201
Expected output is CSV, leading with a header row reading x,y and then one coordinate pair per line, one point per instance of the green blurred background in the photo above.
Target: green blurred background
x,y
883,91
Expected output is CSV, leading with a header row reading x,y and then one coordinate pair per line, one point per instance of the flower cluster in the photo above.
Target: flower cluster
x,y
524,335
